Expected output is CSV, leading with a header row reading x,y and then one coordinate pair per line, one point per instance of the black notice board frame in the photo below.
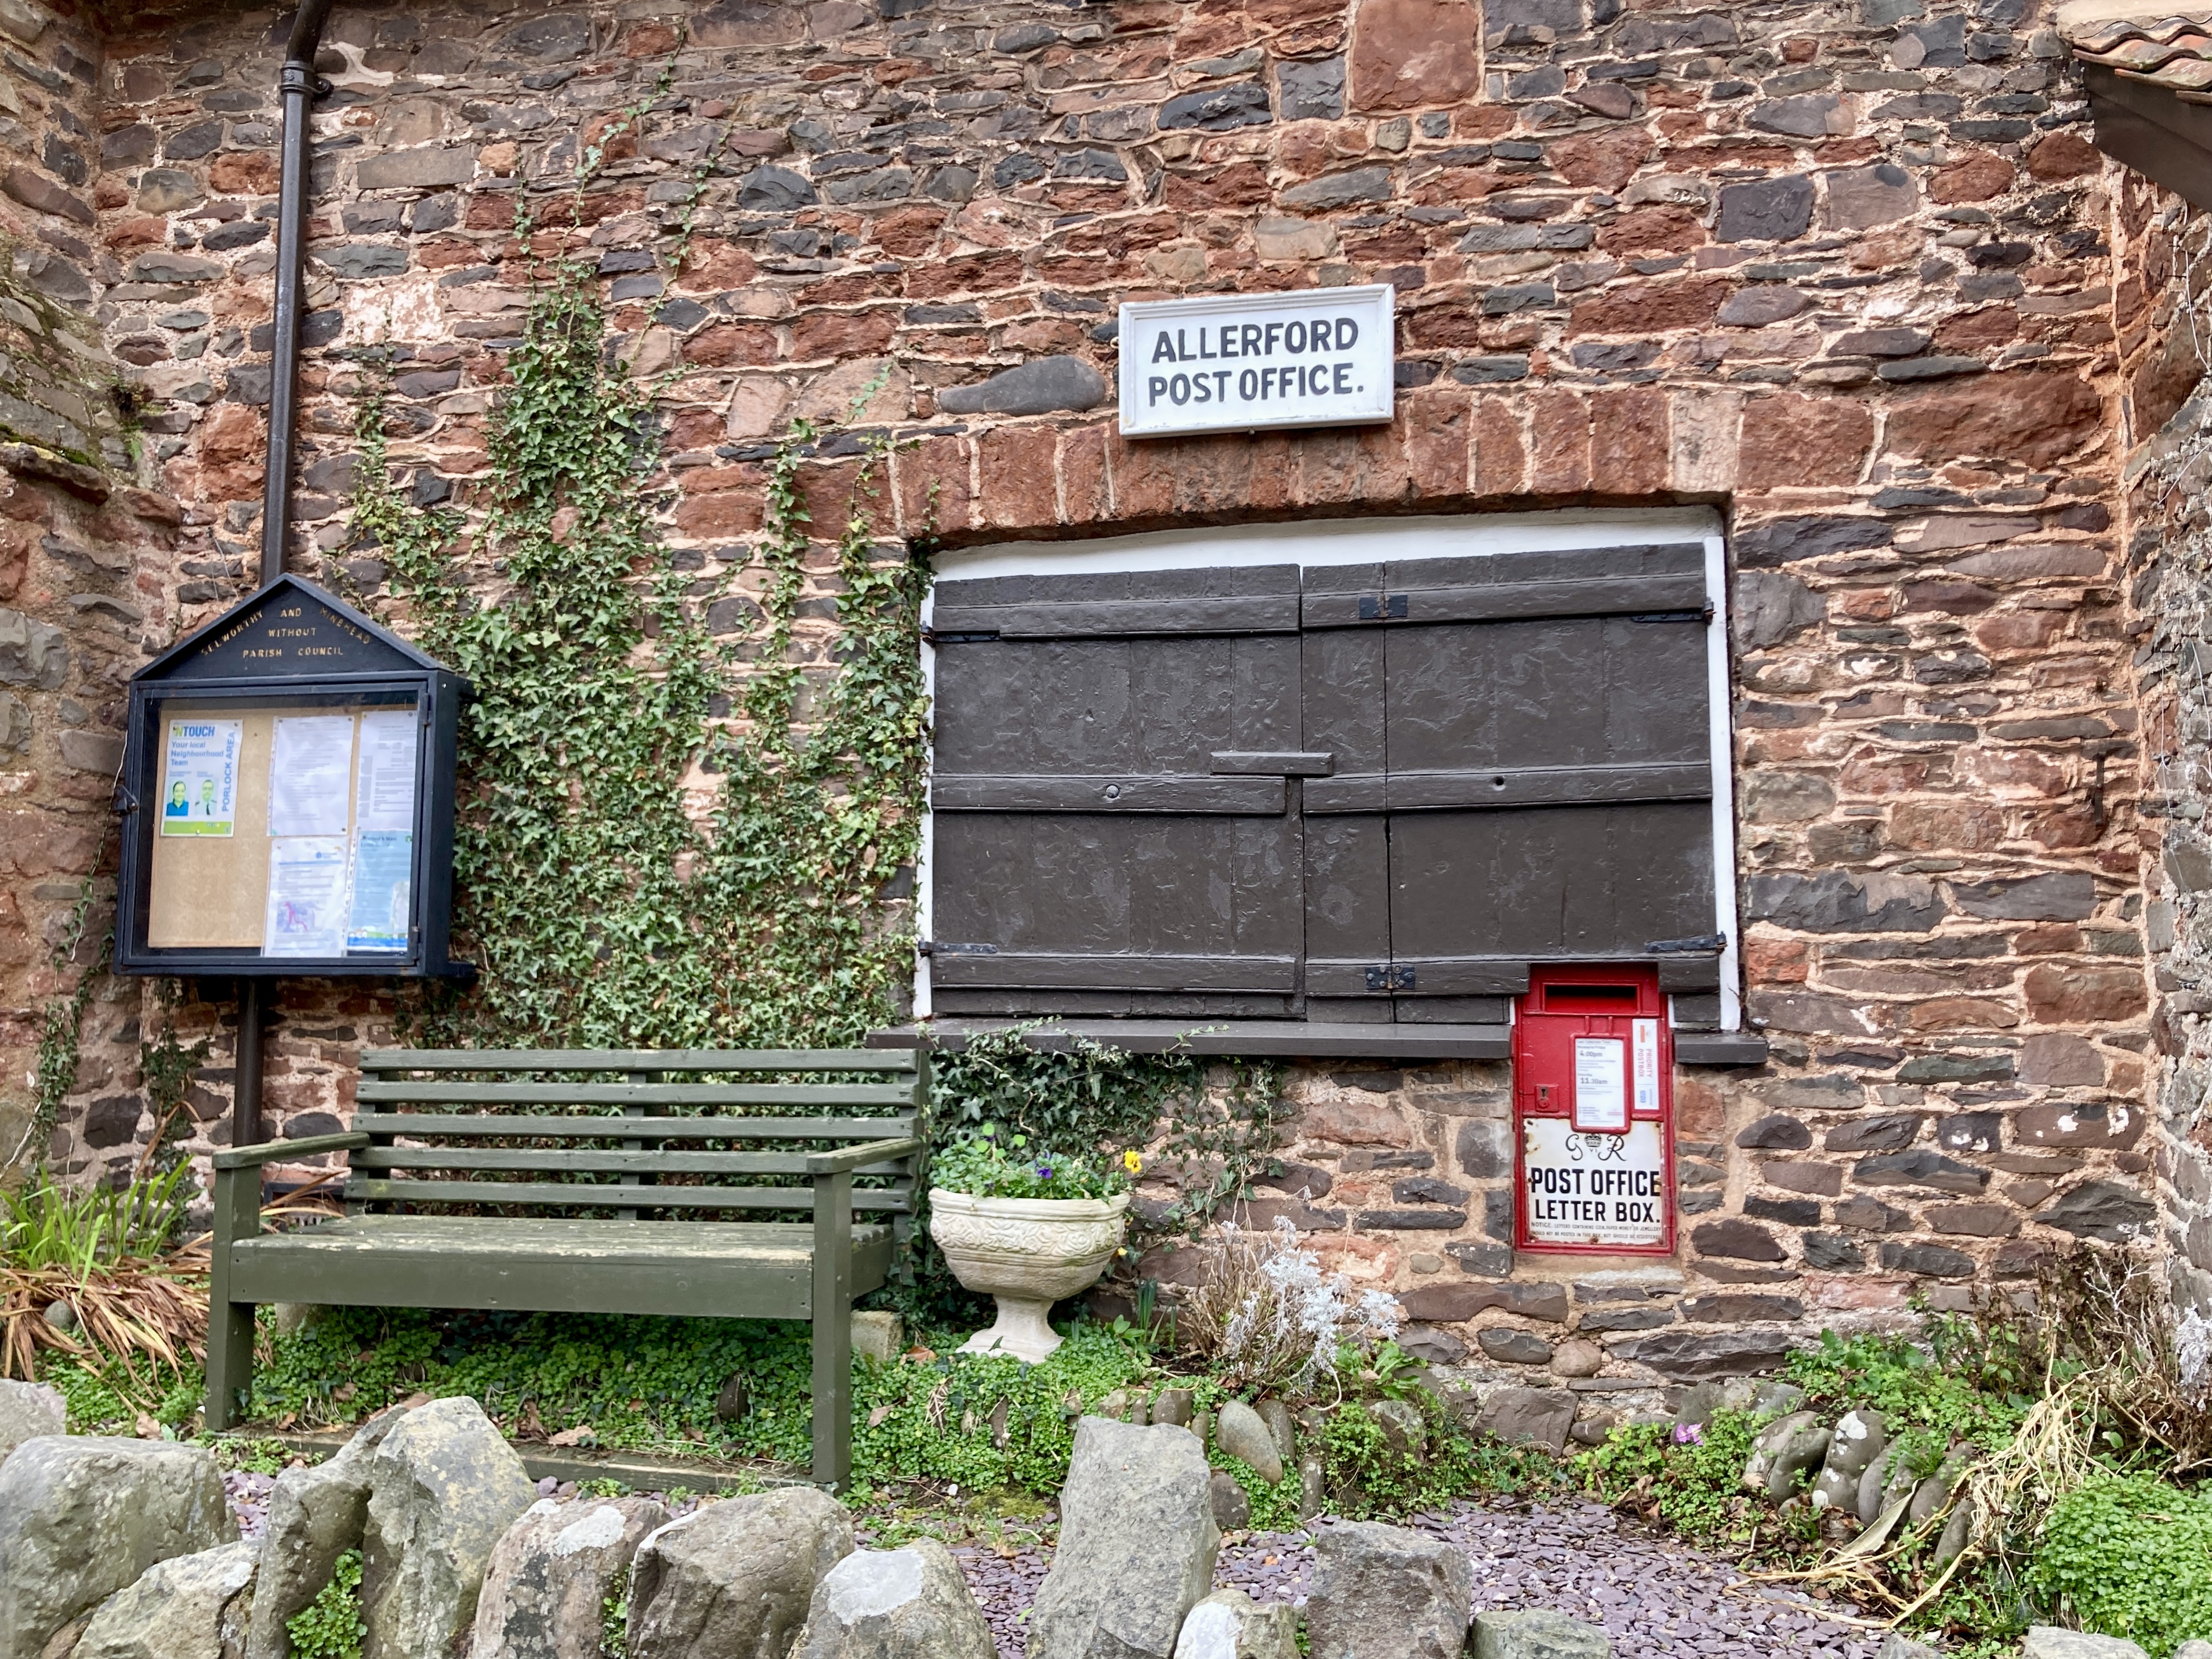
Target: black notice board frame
x,y
329,654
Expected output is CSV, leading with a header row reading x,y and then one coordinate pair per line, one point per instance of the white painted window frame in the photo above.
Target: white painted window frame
x,y
1362,541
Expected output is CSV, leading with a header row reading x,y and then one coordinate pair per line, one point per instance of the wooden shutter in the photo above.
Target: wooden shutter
x,y
1543,786
1112,830
1369,792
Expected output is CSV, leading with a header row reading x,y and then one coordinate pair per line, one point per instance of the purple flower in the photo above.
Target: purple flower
x,y
1044,1171
1689,1434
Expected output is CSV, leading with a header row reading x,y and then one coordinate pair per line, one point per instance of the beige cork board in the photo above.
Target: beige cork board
x,y
212,890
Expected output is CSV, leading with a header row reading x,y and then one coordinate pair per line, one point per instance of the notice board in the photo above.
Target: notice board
x,y
288,797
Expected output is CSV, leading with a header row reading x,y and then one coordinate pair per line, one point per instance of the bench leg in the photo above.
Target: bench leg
x,y
230,1359
832,1331
230,1324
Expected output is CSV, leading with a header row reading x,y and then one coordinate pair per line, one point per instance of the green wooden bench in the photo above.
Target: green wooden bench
x,y
646,1195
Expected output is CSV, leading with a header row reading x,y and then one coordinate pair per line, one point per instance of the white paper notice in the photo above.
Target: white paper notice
x,y
1644,1045
306,913
1600,1084
384,794
1592,1189
310,764
199,777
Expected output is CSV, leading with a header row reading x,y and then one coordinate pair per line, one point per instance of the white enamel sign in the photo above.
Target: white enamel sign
x,y
1237,363
1593,1188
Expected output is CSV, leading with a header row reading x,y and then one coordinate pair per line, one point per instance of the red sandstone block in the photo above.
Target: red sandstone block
x,y
1140,476
1082,469
1438,424
1500,459
932,485
1792,439
1628,440
726,345
1560,430
1015,467
841,334
1656,307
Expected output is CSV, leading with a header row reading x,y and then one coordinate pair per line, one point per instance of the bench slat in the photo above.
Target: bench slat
x,y
550,1159
520,1126
800,1095
608,1195
640,1059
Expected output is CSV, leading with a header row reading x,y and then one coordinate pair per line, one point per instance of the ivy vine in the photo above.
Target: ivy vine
x,y
600,907
670,838
61,1025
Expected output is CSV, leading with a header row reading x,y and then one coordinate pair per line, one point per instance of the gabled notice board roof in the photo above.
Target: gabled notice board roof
x,y
291,630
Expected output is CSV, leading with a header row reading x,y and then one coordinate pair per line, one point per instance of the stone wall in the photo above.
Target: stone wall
x,y
85,564
2169,551
1851,273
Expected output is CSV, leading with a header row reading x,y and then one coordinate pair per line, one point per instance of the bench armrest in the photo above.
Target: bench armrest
x,y
848,1159
278,1152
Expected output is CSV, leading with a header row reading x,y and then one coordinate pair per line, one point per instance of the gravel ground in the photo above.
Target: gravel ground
x,y
1657,1599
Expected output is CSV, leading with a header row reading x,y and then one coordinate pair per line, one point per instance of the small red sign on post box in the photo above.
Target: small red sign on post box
x,y
1594,1113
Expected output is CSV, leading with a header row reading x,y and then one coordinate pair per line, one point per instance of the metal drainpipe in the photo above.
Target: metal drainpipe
x,y
300,85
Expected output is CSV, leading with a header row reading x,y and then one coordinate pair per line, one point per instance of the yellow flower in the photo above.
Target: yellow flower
x,y
1132,1162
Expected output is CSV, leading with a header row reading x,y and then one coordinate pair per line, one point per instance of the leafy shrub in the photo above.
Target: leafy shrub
x,y
2128,1555
1374,1468
329,1626
1958,1382
647,1384
1688,1479
82,1230
1263,1315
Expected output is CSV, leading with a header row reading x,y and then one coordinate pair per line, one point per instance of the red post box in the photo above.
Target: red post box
x,y
1594,1113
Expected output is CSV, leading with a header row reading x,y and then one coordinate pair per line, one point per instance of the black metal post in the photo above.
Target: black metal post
x,y
245,1088
299,87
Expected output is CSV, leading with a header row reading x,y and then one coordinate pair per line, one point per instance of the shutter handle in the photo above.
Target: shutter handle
x,y
1273,763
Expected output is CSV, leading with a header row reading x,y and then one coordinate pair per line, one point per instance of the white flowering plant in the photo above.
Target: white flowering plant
x,y
1266,1316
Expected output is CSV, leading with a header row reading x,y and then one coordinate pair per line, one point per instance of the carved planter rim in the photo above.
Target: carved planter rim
x,y
1030,1209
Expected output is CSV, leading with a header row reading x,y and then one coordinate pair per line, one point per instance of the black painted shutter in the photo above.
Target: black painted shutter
x,y
1526,772
1112,831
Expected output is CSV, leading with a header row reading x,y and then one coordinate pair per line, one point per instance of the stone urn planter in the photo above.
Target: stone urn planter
x,y
1029,1253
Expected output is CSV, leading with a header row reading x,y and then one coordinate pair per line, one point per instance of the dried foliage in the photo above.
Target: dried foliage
x,y
1263,1315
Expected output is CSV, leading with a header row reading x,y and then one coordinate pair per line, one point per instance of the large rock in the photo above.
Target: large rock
x,y
1241,1432
1136,1545
1036,387
1231,1624
1887,1478
190,1606
1540,1633
1933,1493
314,1516
550,1576
910,1603
82,1518
1898,1645
443,1485
28,1410
1385,1593
735,1578
1859,1439
1528,1417
2049,1642
1786,1449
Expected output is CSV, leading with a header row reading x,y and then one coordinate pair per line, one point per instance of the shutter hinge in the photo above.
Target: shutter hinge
x,y
942,947
1702,944
930,637
1384,976
1380,607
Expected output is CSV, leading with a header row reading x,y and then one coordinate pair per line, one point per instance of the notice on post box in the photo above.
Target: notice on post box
x,y
1237,363
1592,1188
1601,1085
